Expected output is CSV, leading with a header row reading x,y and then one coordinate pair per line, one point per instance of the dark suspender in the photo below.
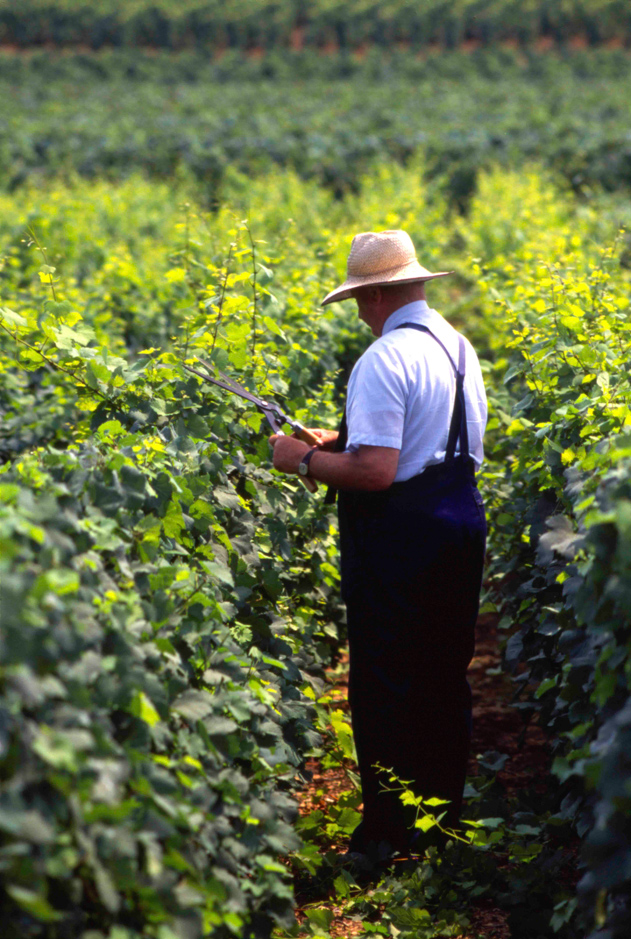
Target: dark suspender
x,y
458,427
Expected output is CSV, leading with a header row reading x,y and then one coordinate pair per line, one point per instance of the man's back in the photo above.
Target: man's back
x,y
402,390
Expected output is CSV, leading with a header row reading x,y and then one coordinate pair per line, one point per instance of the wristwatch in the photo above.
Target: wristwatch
x,y
303,466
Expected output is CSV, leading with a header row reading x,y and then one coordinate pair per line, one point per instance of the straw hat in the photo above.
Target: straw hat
x,y
383,257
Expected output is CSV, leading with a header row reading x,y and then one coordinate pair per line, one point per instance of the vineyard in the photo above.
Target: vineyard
x,y
218,123
270,24
170,608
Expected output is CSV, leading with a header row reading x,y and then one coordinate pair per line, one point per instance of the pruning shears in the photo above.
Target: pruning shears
x,y
273,414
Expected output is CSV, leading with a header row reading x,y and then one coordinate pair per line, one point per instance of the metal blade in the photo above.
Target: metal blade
x,y
272,419
273,414
231,385
228,385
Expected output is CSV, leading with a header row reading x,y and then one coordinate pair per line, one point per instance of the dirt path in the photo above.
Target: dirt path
x,y
496,726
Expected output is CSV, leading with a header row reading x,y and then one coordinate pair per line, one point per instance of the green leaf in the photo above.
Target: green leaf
x,y
173,522
493,822
197,427
267,863
546,685
194,705
320,920
61,749
348,820
425,822
58,308
60,582
239,355
33,903
10,318
268,660
66,338
273,327
220,572
30,825
227,498
108,893
202,509
341,887
143,708
133,479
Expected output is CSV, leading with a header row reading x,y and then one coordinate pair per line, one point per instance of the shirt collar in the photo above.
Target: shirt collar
x,y
416,312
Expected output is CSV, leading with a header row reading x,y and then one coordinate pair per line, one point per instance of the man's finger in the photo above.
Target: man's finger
x,y
274,438
299,434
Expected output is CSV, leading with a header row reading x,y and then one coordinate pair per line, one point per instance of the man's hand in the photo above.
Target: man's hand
x,y
288,452
326,438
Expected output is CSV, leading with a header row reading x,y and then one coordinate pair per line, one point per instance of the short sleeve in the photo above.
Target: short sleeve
x,y
377,393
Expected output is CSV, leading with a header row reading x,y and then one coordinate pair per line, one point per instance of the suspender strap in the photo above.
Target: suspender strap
x,y
458,427
340,446
342,435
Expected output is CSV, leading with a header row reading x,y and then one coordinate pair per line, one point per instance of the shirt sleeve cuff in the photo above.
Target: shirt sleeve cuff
x,y
372,440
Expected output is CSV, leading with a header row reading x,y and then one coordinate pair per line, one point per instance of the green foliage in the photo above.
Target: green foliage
x,y
505,853
218,124
559,499
166,598
163,604
248,23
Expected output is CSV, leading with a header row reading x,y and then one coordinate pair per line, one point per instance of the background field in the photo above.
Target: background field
x,y
169,604
329,119
218,24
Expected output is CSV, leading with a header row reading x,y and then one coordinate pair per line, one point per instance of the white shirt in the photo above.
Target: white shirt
x,y
401,392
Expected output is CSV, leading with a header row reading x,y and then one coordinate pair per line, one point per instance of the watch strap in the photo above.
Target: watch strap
x,y
306,460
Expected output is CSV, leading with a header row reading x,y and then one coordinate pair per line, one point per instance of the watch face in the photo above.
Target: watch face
x,y
303,469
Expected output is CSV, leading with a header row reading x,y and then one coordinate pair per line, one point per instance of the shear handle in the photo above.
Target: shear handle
x,y
303,434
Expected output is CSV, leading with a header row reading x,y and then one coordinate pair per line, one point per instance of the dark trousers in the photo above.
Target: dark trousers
x,y
411,573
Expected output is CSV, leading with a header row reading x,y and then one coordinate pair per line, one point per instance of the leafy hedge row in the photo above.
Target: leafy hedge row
x,y
143,744
221,125
165,606
247,23
190,67
560,492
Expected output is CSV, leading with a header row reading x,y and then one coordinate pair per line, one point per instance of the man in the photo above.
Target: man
x,y
412,535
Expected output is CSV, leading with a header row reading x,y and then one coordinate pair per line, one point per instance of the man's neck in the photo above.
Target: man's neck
x,y
407,311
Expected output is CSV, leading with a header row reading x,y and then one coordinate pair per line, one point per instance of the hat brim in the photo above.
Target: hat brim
x,y
408,274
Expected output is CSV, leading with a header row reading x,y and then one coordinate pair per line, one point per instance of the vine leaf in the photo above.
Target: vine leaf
x,y
561,540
